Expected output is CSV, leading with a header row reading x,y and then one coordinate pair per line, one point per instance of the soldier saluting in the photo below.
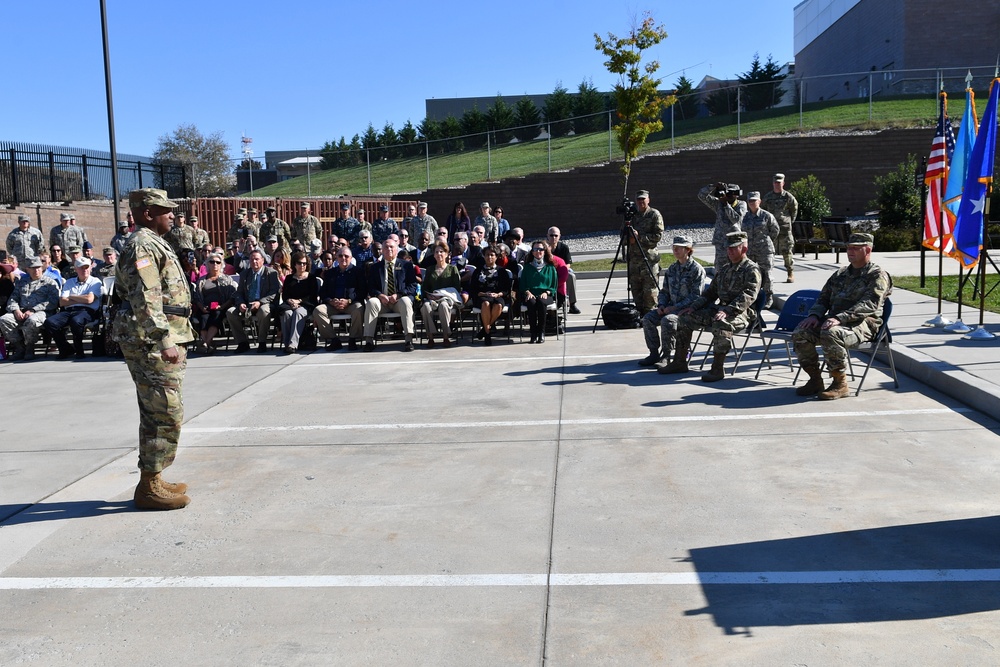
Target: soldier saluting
x,y
152,327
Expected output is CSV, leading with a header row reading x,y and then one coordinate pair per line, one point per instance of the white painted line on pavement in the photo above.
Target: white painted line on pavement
x,y
797,578
575,422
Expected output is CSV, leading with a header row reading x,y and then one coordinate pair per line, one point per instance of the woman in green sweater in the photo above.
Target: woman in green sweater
x,y
440,291
538,287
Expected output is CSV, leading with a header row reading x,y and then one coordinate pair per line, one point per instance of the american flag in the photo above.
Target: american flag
x,y
936,223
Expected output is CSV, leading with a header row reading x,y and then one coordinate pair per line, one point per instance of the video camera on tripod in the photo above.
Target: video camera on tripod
x,y
627,209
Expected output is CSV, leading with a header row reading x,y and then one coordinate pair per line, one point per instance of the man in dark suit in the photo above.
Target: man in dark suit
x,y
258,290
392,285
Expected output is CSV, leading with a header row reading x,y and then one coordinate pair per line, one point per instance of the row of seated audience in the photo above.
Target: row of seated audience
x,y
255,285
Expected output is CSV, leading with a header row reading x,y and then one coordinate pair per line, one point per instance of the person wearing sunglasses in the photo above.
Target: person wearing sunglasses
x,y
213,295
538,284
299,296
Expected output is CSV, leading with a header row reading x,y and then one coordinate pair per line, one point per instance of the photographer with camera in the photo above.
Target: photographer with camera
x,y
729,211
643,258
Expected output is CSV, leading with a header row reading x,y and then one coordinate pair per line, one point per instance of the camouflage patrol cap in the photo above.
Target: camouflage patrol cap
x,y
23,218
34,263
753,195
73,248
642,194
735,239
271,209
241,209
240,216
122,224
253,210
304,204
683,241
65,217
108,250
361,211
149,197
181,214
779,177
422,204
271,239
861,239
193,218
485,204
732,188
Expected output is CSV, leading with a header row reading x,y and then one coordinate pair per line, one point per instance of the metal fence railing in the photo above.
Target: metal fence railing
x,y
39,173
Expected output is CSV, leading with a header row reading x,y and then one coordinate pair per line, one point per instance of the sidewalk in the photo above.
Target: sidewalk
x,y
966,370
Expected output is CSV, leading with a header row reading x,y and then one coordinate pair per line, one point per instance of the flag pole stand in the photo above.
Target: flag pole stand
x,y
938,320
979,334
958,327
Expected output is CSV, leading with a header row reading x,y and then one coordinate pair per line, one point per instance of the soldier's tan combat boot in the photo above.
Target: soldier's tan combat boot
x,y
837,389
791,277
718,370
150,494
815,383
679,364
174,487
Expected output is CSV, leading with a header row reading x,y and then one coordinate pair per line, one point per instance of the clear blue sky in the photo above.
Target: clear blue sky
x,y
295,73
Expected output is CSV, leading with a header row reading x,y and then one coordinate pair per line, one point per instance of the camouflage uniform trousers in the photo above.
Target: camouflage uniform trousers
x,y
667,325
722,331
765,264
721,256
835,341
22,333
785,247
645,291
161,402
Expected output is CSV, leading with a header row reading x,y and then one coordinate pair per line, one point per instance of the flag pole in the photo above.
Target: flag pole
x,y
938,320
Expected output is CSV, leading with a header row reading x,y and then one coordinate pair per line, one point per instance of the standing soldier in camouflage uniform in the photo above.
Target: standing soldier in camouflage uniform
x,y
306,227
847,313
735,287
272,225
729,212
201,238
180,236
682,284
346,226
422,222
648,225
383,225
35,297
488,222
785,208
762,232
25,242
66,235
152,326
119,239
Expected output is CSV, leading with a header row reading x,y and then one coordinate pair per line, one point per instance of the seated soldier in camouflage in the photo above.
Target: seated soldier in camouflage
x,y
724,308
847,313
683,282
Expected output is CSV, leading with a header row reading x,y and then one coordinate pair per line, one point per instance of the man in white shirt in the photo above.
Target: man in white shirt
x,y
80,303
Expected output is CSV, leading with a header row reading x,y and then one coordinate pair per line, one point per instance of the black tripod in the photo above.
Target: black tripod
x,y
626,234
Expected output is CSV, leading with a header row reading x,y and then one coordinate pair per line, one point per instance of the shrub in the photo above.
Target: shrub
x,y
811,195
893,239
897,196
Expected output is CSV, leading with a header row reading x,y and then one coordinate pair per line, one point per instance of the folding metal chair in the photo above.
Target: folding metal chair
x,y
755,327
882,338
795,310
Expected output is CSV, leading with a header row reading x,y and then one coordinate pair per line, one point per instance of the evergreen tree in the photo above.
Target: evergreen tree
x,y
558,108
329,158
527,118
370,138
687,100
721,102
475,126
451,129
589,107
409,139
389,141
354,154
761,85
500,118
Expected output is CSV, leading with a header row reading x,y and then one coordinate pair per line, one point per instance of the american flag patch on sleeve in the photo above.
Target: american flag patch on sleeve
x,y
143,263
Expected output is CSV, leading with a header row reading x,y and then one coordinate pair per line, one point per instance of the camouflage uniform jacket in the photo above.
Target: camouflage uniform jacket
x,y
682,284
277,228
854,296
735,287
180,236
118,242
236,231
25,245
783,207
762,233
727,218
149,277
649,226
346,228
419,225
201,238
66,237
490,224
38,296
306,228
382,228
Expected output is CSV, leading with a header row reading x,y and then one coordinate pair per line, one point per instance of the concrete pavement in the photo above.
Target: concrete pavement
x,y
513,505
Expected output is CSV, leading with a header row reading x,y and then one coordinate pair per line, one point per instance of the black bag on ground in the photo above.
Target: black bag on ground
x,y
618,315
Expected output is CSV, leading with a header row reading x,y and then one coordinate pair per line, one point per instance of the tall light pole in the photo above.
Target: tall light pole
x,y
248,155
111,113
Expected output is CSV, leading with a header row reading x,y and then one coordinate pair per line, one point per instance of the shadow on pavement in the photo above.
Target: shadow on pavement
x,y
918,551
12,515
